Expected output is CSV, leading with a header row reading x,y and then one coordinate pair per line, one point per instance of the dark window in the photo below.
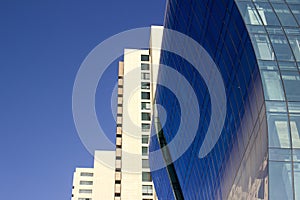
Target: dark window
x,y
145,85
145,66
146,176
145,163
145,95
144,57
146,116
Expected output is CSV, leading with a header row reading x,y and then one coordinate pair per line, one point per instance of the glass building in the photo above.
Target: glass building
x,y
256,46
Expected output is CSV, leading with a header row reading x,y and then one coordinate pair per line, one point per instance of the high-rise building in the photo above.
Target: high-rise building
x,y
129,177
256,47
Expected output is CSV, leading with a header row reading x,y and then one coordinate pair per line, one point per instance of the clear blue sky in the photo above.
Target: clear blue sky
x,y
42,44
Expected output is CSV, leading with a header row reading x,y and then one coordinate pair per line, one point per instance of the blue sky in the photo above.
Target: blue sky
x,y
42,44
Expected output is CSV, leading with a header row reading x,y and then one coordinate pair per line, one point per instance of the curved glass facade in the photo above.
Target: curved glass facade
x,y
256,46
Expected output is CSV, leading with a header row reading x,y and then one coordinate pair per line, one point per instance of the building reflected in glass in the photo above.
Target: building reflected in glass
x,y
256,46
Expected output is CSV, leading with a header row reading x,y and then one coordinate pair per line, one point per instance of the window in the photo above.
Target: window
x,y
145,127
145,95
86,174
145,76
144,57
145,139
146,116
145,85
291,82
146,176
86,183
85,191
145,106
144,151
272,85
145,163
147,190
145,66
84,198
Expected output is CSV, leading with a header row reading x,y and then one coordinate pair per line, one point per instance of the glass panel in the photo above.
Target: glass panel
x,y
268,65
280,175
267,14
144,151
145,163
145,139
296,155
249,13
281,47
145,127
146,106
86,183
145,85
291,82
144,57
295,9
285,16
295,129
287,65
278,130
294,107
144,66
145,95
273,106
262,47
297,180
146,116
280,154
147,190
295,45
146,176
145,76
272,85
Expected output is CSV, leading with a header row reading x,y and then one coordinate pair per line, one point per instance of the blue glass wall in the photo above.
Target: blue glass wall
x,y
256,45
238,162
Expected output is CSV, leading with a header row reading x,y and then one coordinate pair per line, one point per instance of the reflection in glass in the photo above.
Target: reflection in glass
x,y
272,85
297,180
295,45
280,183
284,14
295,129
278,130
291,82
262,47
281,47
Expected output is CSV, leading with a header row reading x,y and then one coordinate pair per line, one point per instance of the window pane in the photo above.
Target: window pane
x,y
295,129
145,66
145,139
147,190
249,13
85,191
86,174
144,57
287,65
278,130
297,180
146,176
262,47
285,16
145,105
86,183
280,154
267,14
281,47
291,82
145,76
145,95
145,85
272,85
280,181
146,116
295,45
144,151
145,163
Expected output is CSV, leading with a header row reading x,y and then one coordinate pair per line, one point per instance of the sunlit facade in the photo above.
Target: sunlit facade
x,y
256,46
